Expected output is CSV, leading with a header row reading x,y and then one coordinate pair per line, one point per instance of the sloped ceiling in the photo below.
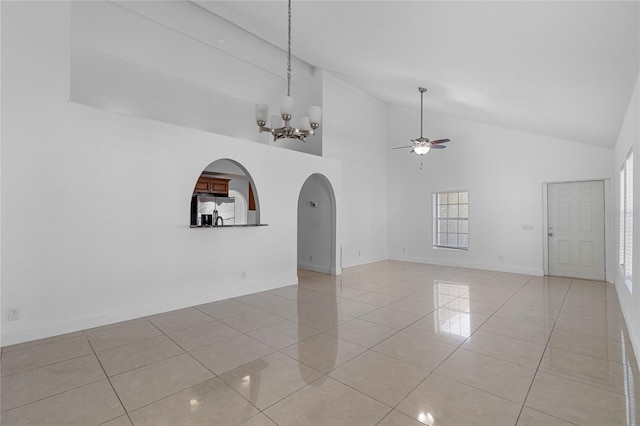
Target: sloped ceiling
x,y
563,69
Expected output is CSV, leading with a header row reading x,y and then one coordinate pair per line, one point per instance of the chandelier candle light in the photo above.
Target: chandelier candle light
x,y
308,125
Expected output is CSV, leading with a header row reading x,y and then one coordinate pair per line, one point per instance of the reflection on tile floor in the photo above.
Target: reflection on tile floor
x,y
389,343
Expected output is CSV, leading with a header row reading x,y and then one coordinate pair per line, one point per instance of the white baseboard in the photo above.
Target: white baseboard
x,y
364,262
20,336
316,268
471,265
628,319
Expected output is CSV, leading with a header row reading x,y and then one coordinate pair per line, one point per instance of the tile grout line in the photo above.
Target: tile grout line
x,y
447,357
51,396
45,365
181,390
325,375
110,384
545,350
478,328
220,376
137,368
6,351
395,407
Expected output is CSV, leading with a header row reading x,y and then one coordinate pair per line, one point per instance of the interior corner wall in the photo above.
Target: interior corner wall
x,y
355,132
95,205
629,140
503,170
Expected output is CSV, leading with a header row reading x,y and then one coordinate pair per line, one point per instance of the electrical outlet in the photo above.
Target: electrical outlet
x,y
404,250
358,252
13,314
501,258
310,258
243,275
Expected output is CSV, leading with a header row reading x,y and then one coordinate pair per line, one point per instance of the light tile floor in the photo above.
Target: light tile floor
x,y
389,343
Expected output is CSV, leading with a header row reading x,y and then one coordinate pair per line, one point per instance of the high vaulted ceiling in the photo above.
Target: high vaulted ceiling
x,y
563,69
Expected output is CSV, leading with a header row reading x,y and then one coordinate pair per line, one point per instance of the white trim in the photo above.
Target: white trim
x,y
545,219
365,261
435,217
316,268
334,269
623,290
545,228
462,264
27,335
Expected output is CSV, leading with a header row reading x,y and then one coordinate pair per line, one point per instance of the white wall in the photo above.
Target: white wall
x,y
355,133
95,205
115,85
315,235
187,78
502,169
629,139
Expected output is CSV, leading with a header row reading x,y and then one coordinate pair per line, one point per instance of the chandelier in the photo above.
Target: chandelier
x,y
308,124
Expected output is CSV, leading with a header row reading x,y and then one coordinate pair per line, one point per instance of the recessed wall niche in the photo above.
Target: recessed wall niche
x,y
224,196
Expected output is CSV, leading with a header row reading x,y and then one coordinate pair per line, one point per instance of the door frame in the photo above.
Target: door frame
x,y
334,268
606,183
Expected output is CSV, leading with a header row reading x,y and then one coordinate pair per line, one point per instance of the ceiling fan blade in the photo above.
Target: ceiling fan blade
x,y
438,147
402,147
439,141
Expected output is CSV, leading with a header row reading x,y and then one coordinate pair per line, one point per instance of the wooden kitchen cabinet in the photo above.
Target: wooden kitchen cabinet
x,y
252,200
208,185
219,186
202,185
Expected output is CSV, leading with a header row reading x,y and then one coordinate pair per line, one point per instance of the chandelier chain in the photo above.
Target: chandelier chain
x,y
289,55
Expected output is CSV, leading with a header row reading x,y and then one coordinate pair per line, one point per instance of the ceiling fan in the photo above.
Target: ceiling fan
x,y
422,145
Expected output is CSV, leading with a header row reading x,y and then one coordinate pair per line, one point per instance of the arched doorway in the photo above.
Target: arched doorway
x,y
317,225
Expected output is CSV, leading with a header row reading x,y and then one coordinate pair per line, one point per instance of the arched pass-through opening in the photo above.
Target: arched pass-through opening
x,y
213,202
317,225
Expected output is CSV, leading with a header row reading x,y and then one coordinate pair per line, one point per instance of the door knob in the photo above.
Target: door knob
x,y
550,234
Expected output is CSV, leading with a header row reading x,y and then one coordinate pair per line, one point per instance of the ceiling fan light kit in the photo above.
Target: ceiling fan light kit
x,y
422,145
308,124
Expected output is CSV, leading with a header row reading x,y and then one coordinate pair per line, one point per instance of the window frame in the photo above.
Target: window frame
x,y
436,217
625,246
621,216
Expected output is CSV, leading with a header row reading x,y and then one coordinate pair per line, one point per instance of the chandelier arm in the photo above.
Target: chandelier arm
x,y
289,132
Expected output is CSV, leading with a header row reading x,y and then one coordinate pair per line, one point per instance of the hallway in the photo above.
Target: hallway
x,y
387,343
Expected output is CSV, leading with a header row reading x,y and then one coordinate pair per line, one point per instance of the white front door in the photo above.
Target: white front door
x,y
576,229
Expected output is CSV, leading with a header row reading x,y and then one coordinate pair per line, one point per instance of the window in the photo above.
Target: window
x,y
626,220
621,216
451,220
